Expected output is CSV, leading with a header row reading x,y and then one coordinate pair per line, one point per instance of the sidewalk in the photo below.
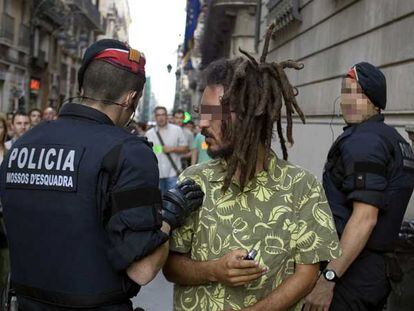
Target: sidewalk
x,y
155,296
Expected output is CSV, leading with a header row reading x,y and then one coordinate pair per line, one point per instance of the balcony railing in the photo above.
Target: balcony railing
x,y
235,3
283,12
7,27
89,10
24,36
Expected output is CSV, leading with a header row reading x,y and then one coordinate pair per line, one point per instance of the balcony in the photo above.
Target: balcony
x,y
24,36
89,10
7,28
283,13
234,3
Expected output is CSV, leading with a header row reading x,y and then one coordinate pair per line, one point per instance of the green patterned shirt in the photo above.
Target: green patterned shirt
x,y
282,213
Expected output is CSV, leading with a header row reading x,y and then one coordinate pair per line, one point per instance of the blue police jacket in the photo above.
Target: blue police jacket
x,y
81,203
370,163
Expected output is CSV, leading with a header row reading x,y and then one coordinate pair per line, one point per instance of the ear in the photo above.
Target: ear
x,y
133,96
81,92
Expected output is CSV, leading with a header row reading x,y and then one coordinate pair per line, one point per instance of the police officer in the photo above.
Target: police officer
x,y
368,179
80,196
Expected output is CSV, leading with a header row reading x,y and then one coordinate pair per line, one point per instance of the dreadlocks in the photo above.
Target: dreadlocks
x,y
255,91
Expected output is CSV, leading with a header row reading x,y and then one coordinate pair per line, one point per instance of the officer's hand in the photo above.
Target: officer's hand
x,y
233,270
180,202
321,296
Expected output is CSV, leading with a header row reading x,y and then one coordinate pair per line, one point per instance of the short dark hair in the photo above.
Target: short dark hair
x,y
108,82
19,113
178,111
35,109
160,108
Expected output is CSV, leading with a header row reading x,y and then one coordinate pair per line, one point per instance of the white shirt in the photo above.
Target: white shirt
x,y
173,136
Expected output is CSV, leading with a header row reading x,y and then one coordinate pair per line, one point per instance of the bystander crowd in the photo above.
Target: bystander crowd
x,y
199,150
20,124
49,114
35,116
179,117
169,144
4,252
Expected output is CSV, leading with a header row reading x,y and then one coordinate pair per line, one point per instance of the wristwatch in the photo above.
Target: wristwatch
x,y
330,275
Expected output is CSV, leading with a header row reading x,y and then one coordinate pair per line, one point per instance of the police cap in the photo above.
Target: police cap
x,y
116,53
372,82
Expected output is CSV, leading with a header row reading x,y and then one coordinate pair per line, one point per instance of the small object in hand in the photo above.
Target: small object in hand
x,y
251,255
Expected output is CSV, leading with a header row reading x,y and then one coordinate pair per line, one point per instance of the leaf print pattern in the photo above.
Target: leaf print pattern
x,y
282,213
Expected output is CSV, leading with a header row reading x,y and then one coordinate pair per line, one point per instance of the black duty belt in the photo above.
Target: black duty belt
x,y
69,300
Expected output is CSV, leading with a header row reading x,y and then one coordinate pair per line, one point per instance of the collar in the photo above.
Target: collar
x,y
221,171
84,112
377,118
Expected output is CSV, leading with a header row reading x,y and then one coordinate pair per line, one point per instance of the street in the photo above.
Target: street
x,y
156,296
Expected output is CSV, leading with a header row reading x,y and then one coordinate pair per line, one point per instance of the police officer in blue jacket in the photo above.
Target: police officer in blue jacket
x,y
368,179
85,220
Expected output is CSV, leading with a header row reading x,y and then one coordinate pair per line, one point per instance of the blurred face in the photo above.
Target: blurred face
x,y
211,120
355,105
178,119
49,114
190,127
161,117
35,118
20,125
9,121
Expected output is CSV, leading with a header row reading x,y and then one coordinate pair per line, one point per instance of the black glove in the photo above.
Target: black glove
x,y
180,202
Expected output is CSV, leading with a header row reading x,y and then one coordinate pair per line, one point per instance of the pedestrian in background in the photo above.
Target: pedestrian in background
x,y
169,143
10,132
35,116
179,117
368,179
3,137
199,148
4,251
254,201
20,124
49,114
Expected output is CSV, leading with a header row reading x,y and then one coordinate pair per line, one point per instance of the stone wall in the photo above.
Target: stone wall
x,y
331,37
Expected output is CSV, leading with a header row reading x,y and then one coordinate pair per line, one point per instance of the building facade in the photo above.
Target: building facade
x,y
328,37
223,26
14,53
117,19
42,43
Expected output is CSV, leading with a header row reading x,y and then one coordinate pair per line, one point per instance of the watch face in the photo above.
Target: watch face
x,y
330,275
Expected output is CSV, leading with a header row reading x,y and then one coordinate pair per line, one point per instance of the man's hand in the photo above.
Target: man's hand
x,y
321,296
233,270
167,149
180,202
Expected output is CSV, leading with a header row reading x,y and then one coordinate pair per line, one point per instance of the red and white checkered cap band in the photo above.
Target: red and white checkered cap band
x,y
352,73
131,60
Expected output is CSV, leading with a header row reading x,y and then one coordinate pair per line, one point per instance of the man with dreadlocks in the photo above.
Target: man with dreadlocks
x,y
254,200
